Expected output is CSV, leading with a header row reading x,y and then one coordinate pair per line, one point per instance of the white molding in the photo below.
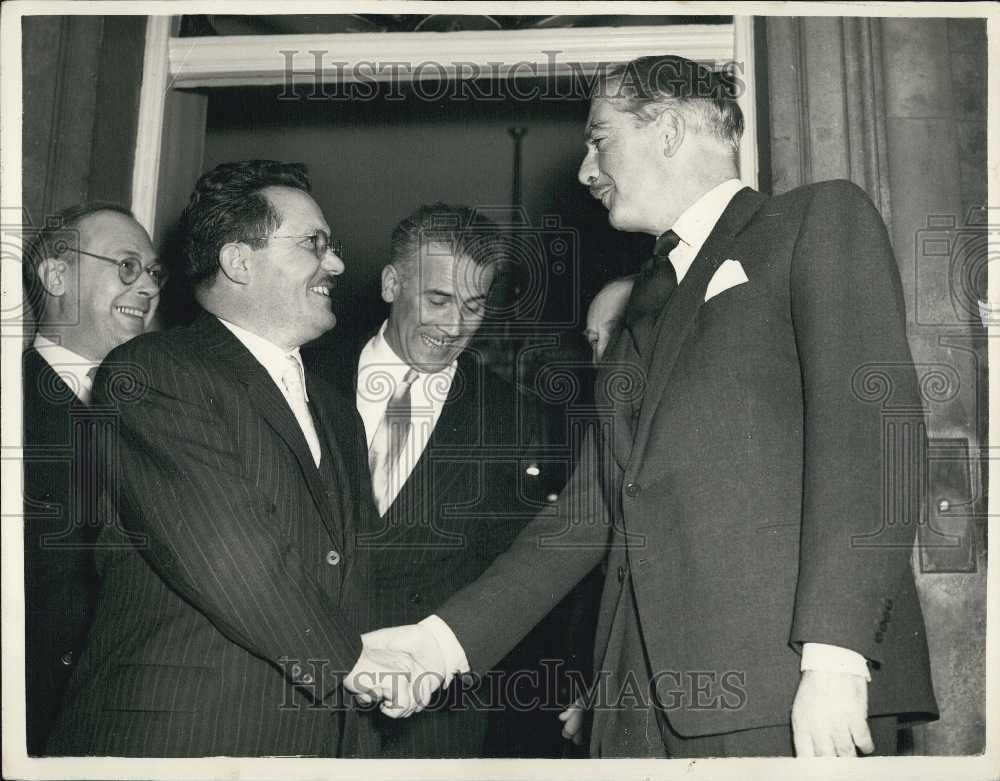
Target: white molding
x,y
149,133
743,57
258,59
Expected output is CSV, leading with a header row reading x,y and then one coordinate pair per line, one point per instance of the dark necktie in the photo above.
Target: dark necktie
x,y
656,283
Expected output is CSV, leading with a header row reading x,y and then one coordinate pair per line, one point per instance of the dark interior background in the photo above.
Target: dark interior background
x,y
374,161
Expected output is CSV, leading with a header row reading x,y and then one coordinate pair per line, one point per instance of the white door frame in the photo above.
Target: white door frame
x,y
219,61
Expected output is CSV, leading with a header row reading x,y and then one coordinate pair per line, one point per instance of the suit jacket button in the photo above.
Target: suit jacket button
x,y
415,598
632,489
621,574
879,637
307,678
296,671
332,558
67,658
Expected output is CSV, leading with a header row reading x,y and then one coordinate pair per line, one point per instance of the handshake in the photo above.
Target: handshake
x,y
400,667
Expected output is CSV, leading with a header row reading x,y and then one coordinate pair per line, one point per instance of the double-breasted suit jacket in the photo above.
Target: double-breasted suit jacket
x,y
227,620
744,492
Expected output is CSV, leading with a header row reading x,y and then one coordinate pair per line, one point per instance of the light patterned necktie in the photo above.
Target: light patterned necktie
x,y
295,392
388,442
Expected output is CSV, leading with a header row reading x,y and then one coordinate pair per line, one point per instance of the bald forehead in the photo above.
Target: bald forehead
x,y
105,229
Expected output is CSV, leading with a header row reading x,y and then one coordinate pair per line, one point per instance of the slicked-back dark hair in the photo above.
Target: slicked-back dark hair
x,y
58,235
461,228
650,84
227,205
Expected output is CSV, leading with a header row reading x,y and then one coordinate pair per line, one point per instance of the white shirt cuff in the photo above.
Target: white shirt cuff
x,y
454,655
833,659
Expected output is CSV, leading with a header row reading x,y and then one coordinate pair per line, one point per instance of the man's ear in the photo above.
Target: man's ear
x,y
391,282
234,262
52,273
672,129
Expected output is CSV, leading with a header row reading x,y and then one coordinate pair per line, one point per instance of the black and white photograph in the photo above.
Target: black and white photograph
x,y
404,389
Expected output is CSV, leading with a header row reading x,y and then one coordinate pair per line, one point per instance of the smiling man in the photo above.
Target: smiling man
x,y
93,281
225,623
758,531
450,450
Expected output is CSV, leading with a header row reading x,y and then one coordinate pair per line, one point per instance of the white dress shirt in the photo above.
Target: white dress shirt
x,y
696,223
693,228
274,359
73,369
380,370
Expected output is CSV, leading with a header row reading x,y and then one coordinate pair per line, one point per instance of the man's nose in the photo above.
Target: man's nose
x,y
145,286
588,169
332,263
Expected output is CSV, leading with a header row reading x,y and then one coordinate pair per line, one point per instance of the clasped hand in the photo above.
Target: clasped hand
x,y
400,667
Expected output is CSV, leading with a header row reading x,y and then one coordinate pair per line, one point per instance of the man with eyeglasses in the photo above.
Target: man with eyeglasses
x,y
93,282
226,623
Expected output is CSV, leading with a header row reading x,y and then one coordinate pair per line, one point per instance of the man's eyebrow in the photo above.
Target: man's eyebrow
x,y
436,291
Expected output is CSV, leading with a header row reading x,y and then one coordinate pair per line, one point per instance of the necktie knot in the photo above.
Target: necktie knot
x,y
666,244
292,377
405,383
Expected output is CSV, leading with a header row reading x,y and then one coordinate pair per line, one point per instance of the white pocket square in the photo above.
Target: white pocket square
x,y
729,274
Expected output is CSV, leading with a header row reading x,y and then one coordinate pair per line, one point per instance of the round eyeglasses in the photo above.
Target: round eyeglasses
x,y
130,269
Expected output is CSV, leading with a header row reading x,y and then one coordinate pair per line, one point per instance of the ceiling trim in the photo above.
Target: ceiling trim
x,y
221,61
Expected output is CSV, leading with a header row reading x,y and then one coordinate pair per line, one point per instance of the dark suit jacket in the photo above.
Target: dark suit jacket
x,y
226,622
464,502
61,525
745,498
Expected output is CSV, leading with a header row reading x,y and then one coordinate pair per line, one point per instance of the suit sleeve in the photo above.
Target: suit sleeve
x,y
206,528
849,318
552,553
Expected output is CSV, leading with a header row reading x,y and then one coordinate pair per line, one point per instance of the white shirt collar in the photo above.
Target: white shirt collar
x,y
73,369
697,221
269,355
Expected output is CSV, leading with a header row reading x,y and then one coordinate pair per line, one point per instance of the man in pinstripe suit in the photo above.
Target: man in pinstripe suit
x,y
226,618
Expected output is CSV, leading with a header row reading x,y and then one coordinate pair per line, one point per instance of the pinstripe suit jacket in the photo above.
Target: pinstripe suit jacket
x,y
225,618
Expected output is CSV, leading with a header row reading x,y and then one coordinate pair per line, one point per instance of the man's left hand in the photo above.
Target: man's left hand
x,y
830,715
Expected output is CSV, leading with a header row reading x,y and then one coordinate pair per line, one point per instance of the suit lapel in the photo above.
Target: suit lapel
x,y
346,450
273,407
677,320
452,430
619,387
